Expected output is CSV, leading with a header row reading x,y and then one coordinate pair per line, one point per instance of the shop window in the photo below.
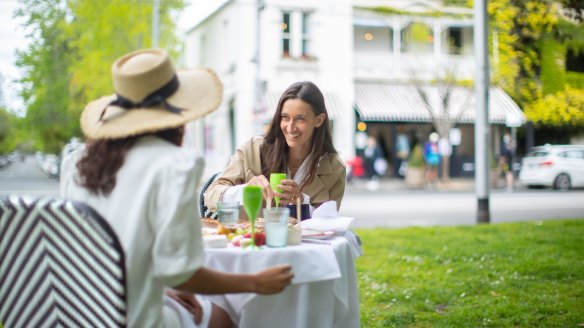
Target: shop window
x,y
455,40
575,61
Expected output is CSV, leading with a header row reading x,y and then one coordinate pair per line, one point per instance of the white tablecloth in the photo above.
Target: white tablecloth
x,y
323,293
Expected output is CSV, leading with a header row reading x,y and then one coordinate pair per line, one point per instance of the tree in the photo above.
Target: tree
x,y
46,65
517,25
561,109
5,130
445,108
74,43
102,31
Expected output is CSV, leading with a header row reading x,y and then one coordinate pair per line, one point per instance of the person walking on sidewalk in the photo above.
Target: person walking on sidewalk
x,y
373,169
432,159
505,163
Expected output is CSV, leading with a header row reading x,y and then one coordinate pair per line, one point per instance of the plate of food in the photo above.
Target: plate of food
x,y
317,234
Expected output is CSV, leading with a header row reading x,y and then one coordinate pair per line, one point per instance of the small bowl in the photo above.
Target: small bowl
x,y
294,235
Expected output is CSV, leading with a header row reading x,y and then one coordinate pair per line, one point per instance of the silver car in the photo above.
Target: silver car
x,y
557,166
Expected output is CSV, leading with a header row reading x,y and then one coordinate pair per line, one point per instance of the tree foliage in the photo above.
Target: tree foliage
x,y
562,109
73,44
518,25
5,130
102,31
45,62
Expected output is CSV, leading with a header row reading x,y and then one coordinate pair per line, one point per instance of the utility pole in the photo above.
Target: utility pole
x,y
482,111
155,23
258,108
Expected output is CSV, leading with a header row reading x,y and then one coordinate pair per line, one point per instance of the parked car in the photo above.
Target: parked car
x,y
557,166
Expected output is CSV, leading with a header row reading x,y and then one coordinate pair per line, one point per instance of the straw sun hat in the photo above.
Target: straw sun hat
x,y
150,96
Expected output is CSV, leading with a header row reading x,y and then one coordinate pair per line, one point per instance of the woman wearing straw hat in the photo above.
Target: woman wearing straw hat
x,y
134,174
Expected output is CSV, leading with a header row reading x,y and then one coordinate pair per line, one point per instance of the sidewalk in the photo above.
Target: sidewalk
x,y
396,184
466,184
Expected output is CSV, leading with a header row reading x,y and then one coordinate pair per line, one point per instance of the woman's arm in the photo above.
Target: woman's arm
x,y
269,281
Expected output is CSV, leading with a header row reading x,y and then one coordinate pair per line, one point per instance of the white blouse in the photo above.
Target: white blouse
x,y
154,210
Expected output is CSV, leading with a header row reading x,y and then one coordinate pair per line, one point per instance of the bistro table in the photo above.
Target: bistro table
x,y
323,292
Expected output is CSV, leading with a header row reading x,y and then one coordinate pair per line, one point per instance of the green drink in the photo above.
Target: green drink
x,y
275,179
252,203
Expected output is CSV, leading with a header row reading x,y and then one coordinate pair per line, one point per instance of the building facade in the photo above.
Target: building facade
x,y
363,54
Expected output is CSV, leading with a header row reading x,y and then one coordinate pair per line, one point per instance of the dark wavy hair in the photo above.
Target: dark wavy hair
x,y
274,151
103,158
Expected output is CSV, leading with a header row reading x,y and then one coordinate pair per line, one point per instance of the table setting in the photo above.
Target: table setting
x,y
321,251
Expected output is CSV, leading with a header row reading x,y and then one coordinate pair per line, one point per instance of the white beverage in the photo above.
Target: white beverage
x,y
276,234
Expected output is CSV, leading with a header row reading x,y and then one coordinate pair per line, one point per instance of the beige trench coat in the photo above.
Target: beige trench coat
x,y
328,184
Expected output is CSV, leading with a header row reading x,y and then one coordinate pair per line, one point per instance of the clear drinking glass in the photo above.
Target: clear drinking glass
x,y
228,214
276,226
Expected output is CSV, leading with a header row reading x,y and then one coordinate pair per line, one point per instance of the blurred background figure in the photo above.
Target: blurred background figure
x,y
432,159
402,147
373,161
355,168
505,165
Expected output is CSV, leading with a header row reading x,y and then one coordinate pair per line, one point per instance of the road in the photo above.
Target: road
x,y
422,208
26,178
396,207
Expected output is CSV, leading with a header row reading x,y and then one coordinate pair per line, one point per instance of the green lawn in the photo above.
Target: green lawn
x,y
528,274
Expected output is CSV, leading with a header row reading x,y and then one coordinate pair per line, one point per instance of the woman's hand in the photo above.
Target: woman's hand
x,y
273,280
263,183
189,302
290,191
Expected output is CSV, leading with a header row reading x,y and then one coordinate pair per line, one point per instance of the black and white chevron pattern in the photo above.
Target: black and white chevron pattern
x,y
205,211
61,265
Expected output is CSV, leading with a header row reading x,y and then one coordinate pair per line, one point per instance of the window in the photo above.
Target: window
x,y
285,34
305,35
455,40
574,61
417,38
296,34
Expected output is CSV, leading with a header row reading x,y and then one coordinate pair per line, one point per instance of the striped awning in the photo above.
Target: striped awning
x,y
331,101
385,101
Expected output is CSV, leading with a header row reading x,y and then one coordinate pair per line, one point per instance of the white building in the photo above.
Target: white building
x,y
299,40
361,53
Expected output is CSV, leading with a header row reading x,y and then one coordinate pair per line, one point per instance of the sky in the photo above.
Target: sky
x,y
12,37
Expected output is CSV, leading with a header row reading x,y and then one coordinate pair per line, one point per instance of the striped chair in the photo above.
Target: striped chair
x,y
205,211
61,265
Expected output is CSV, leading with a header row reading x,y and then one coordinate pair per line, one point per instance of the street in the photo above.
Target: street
x,y
424,208
26,178
394,206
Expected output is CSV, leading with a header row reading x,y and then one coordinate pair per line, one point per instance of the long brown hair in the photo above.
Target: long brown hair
x,y
274,151
103,158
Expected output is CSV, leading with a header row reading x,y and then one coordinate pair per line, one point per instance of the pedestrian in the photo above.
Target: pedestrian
x,y
372,159
402,152
505,160
432,159
135,174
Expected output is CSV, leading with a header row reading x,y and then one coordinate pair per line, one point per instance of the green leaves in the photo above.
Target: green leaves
x,y
73,45
564,108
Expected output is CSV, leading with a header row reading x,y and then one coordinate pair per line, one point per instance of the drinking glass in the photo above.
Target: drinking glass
x,y
252,203
276,226
228,213
275,179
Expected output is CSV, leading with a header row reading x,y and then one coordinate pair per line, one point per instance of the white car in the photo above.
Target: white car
x,y
557,166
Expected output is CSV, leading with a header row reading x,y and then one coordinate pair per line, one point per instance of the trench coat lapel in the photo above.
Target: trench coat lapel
x,y
314,190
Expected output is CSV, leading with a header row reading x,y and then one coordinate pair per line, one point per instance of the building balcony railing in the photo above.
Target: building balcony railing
x,y
408,66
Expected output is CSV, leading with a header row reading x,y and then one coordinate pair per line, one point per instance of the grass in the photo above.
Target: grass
x,y
528,274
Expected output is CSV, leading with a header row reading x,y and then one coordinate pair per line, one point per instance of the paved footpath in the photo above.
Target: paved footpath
x,y
26,178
